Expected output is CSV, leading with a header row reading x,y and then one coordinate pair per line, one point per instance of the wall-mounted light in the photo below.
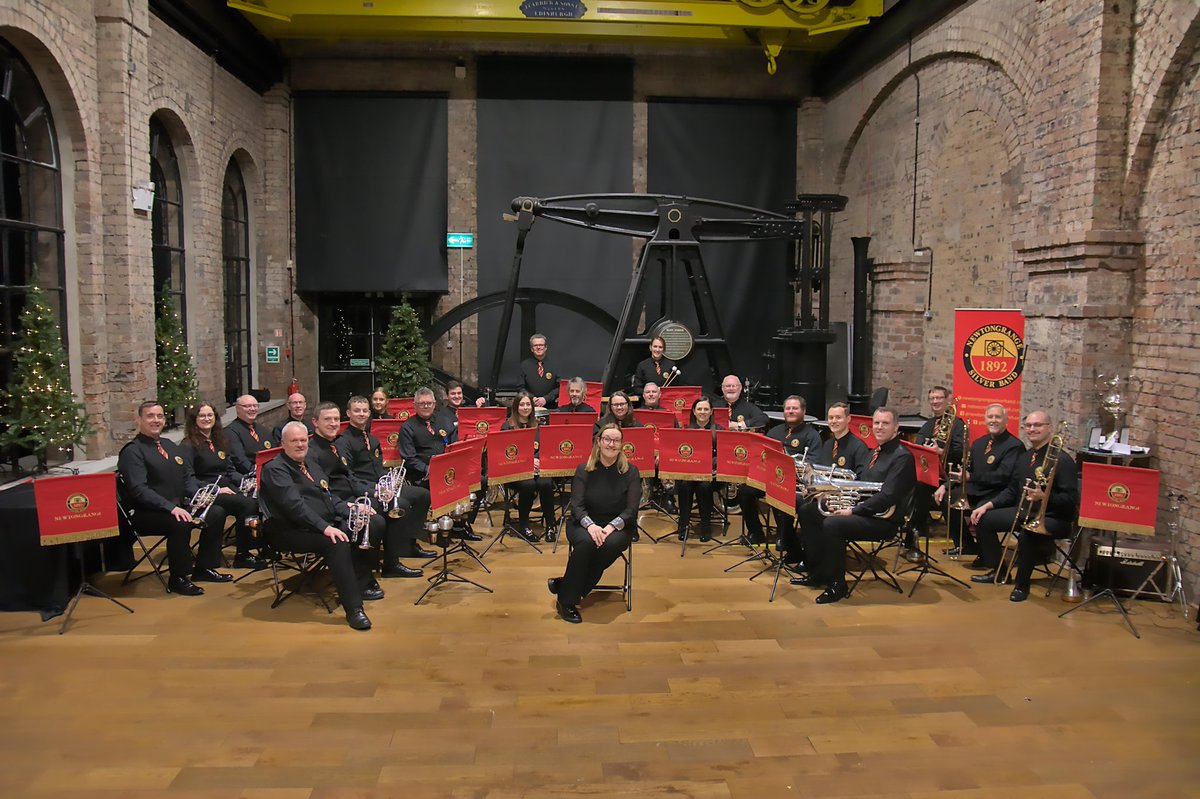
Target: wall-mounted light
x,y
922,252
460,70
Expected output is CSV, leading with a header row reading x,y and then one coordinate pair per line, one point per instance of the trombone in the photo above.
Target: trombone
x,y
1031,514
962,504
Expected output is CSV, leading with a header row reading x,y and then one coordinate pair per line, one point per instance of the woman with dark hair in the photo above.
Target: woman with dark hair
x,y
701,419
206,447
620,413
522,416
605,494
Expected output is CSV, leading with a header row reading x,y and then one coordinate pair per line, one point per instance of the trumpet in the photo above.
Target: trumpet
x,y
360,519
834,494
202,501
387,491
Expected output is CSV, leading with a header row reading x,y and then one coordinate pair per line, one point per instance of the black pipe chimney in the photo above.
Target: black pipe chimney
x,y
860,389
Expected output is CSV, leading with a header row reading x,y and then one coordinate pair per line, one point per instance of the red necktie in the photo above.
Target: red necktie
x,y
874,457
333,447
304,471
366,441
541,372
162,451
211,448
834,456
253,433
1032,457
429,426
658,368
988,448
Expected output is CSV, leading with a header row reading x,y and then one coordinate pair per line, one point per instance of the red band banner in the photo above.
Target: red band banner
x,y
862,427
474,472
721,417
780,480
343,427
638,444
400,409
80,507
733,455
510,454
563,447
388,433
594,394
261,458
928,463
685,454
656,420
757,475
679,400
1120,498
449,483
478,422
989,356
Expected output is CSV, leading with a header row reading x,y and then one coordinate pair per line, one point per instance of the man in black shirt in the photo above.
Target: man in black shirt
x,y
297,407
300,515
950,450
576,393
536,375
651,394
892,465
743,414
157,484
654,369
246,437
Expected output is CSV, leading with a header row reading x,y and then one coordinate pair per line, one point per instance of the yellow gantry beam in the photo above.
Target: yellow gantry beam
x,y
704,22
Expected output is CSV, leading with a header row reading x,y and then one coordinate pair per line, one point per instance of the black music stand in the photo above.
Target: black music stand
x,y
445,575
929,565
1108,592
85,587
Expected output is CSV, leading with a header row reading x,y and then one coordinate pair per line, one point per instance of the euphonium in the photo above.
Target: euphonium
x,y
835,494
360,520
1043,478
202,500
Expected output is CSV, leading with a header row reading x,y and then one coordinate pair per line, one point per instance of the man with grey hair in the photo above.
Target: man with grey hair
x,y
577,393
246,436
424,435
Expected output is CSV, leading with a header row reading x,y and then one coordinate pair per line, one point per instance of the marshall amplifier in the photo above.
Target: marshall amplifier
x,y
1129,567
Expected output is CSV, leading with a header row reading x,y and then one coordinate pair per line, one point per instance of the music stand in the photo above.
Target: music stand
x,y
1108,592
929,565
445,575
85,588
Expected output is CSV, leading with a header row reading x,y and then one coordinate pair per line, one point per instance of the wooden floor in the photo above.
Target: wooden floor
x,y
704,690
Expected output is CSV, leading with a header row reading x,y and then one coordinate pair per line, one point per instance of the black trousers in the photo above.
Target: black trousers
x,y
541,487
587,562
179,539
701,493
240,507
349,566
401,532
826,546
922,504
1032,548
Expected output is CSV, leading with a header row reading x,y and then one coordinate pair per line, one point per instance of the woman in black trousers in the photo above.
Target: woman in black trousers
x,y
700,490
605,494
521,416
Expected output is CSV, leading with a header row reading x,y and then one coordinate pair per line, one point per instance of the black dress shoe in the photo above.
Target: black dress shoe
x,y
550,536
987,577
705,538
245,560
552,584
399,570
470,536
836,592
1018,594
681,534
372,593
183,586
527,535
568,613
357,619
977,563
417,552
210,576
808,581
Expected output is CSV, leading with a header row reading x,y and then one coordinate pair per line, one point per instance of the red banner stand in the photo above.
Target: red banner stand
x,y
510,455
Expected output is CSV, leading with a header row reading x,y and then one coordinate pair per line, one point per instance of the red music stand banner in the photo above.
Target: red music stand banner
x,y
400,409
656,420
988,356
1120,498
685,454
388,433
638,444
720,416
780,480
449,483
928,463
510,454
80,507
474,473
261,458
862,427
760,445
679,400
586,417
593,394
563,447
733,455
343,427
477,422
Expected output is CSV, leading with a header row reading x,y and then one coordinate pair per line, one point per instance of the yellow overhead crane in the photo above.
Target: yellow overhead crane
x,y
767,24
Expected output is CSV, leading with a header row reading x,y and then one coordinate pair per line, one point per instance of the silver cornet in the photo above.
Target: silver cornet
x,y
360,520
387,491
249,486
202,500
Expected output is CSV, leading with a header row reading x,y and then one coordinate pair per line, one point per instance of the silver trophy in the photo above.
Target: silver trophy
x,y
1116,397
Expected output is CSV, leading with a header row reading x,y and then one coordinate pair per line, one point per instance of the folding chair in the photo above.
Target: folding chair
x,y
626,586
148,552
307,567
867,553
508,526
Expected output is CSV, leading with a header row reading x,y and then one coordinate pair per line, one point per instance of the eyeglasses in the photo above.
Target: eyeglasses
x,y
427,404
610,440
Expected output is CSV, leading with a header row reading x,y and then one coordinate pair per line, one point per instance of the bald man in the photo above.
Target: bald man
x,y
297,407
247,437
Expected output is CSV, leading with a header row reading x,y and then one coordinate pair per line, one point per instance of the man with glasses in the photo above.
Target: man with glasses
x,y
536,375
297,406
995,517
247,438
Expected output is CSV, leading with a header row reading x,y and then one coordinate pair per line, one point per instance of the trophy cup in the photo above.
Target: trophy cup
x,y
1113,391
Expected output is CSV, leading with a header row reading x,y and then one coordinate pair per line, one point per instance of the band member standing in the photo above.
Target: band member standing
x,y
297,407
365,462
300,515
536,375
892,465
651,394
246,437
797,437
701,490
605,494
576,394
520,417
743,414
207,452
995,517
157,485
655,369
939,405
994,458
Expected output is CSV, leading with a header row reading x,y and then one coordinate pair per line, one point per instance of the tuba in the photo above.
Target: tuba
x,y
202,501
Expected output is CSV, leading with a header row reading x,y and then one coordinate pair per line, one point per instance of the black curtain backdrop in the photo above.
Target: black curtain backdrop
x,y
741,153
547,127
370,192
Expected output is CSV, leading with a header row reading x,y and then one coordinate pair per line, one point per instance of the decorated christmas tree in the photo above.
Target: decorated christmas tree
x,y
177,387
40,411
403,364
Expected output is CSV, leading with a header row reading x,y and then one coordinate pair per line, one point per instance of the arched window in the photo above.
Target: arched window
x,y
31,223
235,248
167,220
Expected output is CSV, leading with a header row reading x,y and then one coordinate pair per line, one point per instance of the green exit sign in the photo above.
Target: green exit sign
x,y
460,241
272,353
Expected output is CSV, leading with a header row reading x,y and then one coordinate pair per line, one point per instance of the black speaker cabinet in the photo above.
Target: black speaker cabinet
x,y
1133,561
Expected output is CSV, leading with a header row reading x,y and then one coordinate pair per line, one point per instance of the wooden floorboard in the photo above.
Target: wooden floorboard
x,y
704,690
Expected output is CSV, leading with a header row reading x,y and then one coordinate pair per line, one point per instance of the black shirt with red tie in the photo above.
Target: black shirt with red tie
x,y
336,466
420,440
994,460
651,371
246,441
155,475
892,465
296,495
847,452
540,380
